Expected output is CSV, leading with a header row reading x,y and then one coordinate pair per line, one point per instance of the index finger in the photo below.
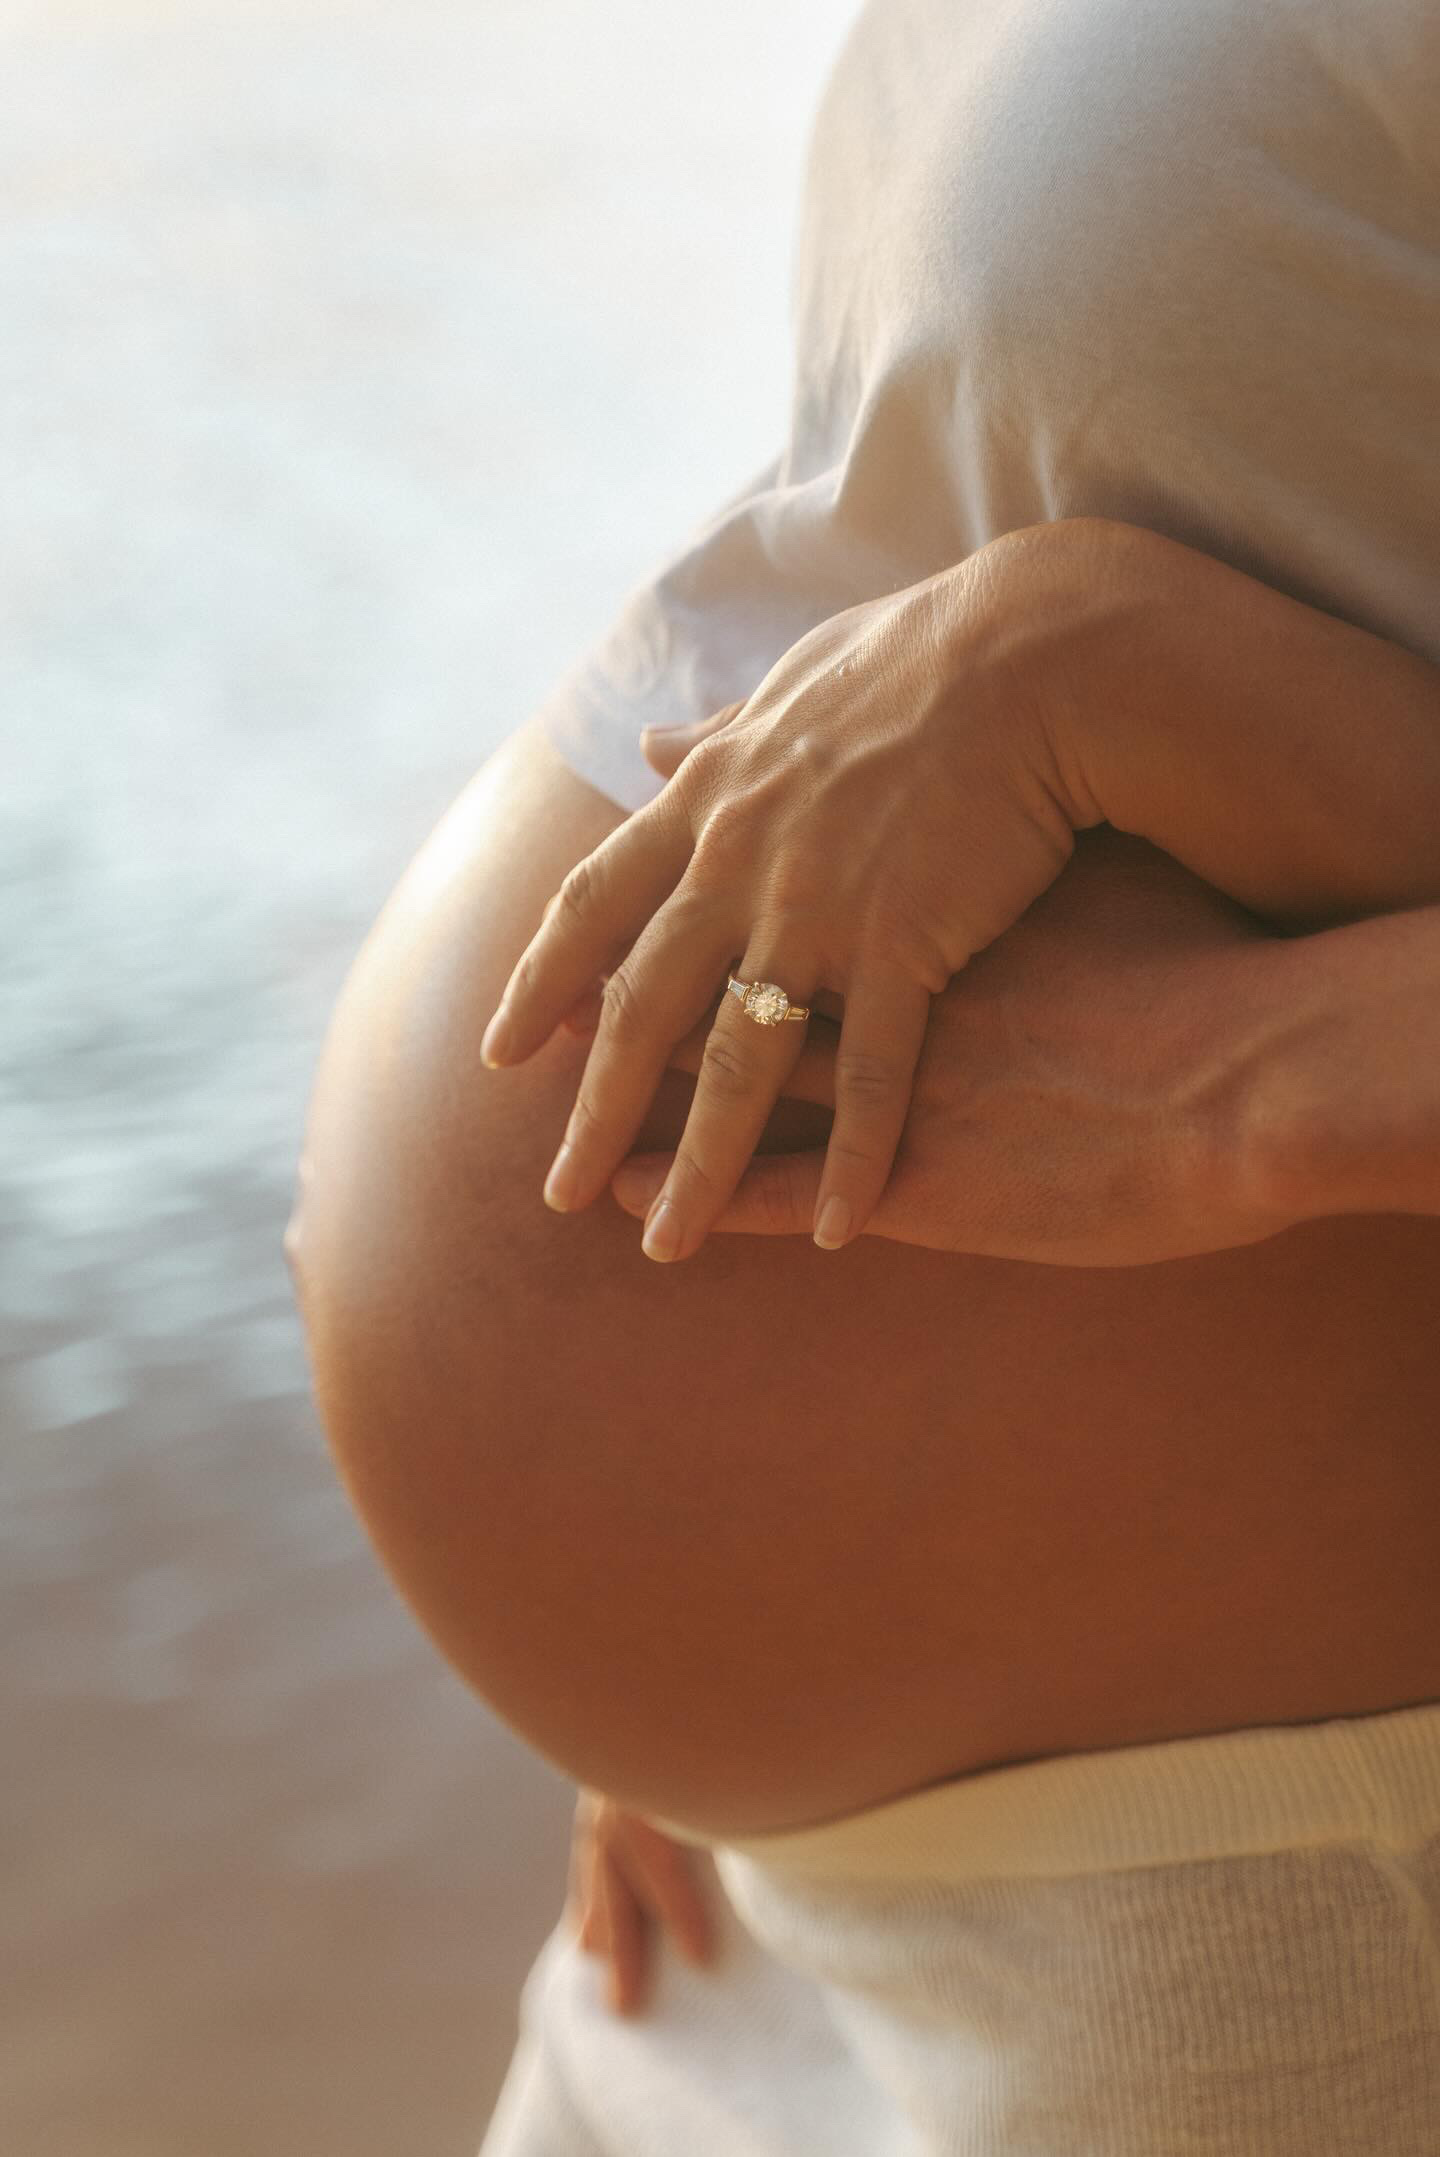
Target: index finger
x,y
599,910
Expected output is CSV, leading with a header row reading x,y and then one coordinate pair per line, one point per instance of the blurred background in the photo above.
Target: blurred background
x,y
354,361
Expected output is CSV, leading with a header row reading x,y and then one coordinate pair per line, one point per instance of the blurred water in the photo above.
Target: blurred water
x,y
353,361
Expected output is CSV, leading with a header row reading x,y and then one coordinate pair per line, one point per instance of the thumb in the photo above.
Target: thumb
x,y
775,1196
666,748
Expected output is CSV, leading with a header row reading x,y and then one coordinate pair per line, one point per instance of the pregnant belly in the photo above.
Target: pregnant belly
x,y
972,1512
876,1524
1196,1496
778,1534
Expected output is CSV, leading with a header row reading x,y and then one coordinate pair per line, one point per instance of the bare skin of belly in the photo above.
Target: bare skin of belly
x,y
778,1534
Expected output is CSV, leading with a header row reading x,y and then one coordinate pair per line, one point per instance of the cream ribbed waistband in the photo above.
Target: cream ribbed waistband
x,y
1373,1779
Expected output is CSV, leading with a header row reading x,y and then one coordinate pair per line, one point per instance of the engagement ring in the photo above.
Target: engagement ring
x,y
764,1003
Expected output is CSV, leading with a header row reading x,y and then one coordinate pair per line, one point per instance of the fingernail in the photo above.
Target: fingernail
x,y
496,1040
635,1186
664,1232
563,1182
659,733
834,1223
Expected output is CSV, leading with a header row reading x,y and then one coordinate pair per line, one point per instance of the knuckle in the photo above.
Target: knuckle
x,y
576,895
622,1007
526,978
694,1177
583,1126
814,758
908,933
725,1067
700,771
841,1148
724,834
866,1080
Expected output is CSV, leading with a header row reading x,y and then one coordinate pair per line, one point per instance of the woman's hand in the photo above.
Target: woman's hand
x,y
623,1873
886,804
1086,1092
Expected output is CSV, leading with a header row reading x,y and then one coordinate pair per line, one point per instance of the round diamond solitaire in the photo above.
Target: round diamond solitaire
x,y
765,1003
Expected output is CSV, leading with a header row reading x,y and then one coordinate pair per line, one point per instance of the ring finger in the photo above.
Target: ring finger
x,y
742,1070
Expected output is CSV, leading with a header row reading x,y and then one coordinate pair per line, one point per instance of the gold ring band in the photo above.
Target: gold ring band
x,y
764,1003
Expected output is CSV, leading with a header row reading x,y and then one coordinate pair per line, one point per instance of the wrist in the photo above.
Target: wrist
x,y
1341,1113
1239,1119
1215,716
1048,614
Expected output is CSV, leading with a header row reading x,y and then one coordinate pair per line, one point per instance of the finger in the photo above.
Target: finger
x,y
824,1004
662,1874
775,1196
886,1014
666,748
582,1901
742,1071
810,1078
628,1942
594,1924
598,910
653,997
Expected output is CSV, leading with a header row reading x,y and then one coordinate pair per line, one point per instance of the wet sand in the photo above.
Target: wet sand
x,y
349,375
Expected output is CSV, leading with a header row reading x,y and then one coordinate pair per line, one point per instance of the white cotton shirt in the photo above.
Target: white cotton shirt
x,y
1173,264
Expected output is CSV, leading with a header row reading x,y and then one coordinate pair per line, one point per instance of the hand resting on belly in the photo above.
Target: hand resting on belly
x,y
1082,1097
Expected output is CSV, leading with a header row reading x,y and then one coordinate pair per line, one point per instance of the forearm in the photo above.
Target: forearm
x,y
1290,759
1343,1107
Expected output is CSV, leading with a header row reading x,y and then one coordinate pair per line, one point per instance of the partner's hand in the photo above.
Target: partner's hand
x,y
1082,1095
886,804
